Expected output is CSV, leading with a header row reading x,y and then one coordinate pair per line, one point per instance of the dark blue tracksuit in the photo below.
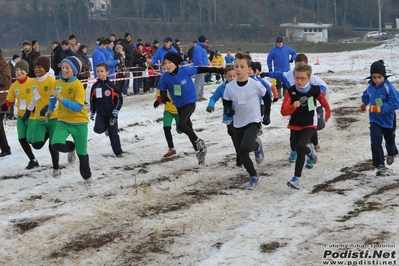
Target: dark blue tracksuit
x,y
104,98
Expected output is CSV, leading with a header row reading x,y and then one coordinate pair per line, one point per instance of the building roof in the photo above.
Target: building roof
x,y
318,25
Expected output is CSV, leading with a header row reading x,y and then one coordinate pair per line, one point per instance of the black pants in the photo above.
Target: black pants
x,y
185,125
3,138
302,138
101,125
245,141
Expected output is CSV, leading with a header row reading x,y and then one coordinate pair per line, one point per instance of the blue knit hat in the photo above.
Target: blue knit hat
x,y
75,64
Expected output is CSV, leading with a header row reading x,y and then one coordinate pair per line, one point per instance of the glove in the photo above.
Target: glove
x,y
266,120
115,113
264,74
363,107
44,110
92,116
292,60
156,104
4,107
210,109
374,109
270,69
26,116
230,112
275,100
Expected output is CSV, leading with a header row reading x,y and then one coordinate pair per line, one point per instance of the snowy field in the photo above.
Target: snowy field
x,y
146,210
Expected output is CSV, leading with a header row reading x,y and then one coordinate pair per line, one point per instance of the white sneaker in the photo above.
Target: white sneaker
x,y
71,156
56,173
89,182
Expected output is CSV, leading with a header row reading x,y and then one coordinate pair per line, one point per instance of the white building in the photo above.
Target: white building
x,y
98,8
307,32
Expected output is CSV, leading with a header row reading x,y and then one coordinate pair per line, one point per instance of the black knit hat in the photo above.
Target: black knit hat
x,y
72,37
173,57
378,67
15,57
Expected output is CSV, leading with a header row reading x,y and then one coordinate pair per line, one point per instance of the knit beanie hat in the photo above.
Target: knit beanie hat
x,y
23,65
75,64
279,39
72,37
155,41
173,57
42,61
378,67
202,38
15,57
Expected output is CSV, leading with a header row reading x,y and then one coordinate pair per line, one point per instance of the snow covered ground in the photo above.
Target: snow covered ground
x,y
146,210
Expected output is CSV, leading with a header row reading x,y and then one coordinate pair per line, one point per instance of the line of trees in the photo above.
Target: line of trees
x,y
219,20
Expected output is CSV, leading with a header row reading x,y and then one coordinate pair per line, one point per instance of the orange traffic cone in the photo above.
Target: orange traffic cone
x,y
317,61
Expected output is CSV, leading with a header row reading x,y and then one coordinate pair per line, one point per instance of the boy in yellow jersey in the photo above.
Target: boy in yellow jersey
x,y
72,116
42,130
22,91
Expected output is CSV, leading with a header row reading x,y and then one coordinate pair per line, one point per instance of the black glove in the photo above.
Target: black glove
x,y
26,116
210,109
275,100
266,120
270,70
4,107
44,110
264,74
229,112
156,104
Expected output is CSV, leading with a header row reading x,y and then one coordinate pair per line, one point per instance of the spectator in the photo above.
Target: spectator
x,y
190,52
176,44
229,58
280,56
29,56
72,43
200,58
5,83
56,58
65,51
98,55
35,46
15,59
128,49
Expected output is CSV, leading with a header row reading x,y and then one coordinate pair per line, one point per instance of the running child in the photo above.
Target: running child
x,y
383,99
241,100
22,91
105,102
300,103
177,81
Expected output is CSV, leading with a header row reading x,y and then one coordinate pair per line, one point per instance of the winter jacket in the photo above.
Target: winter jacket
x,y
86,65
280,57
110,99
128,49
56,59
30,57
388,103
160,54
98,56
200,57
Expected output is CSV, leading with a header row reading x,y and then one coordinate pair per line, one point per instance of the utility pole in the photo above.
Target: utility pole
x,y
379,16
335,13
214,9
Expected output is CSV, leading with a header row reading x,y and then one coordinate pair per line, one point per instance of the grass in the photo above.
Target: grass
x,y
298,47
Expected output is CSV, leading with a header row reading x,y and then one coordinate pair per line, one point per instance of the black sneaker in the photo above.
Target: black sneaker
x,y
5,153
32,164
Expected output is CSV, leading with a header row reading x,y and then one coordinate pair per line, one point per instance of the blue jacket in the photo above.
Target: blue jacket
x,y
229,59
160,54
216,96
98,56
110,99
111,62
390,102
281,58
200,57
180,86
